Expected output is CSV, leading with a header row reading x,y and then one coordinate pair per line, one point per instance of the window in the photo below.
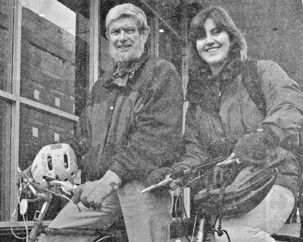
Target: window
x,y
54,63
6,19
6,100
5,164
44,80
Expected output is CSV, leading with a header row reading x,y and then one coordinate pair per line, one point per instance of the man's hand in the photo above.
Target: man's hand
x,y
160,174
157,175
91,194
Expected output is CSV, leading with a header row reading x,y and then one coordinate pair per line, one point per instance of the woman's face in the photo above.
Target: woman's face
x,y
213,46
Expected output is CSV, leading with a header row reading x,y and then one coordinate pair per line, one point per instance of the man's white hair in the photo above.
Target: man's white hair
x,y
127,10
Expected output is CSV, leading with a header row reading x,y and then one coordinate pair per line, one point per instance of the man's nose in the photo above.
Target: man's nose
x,y
123,36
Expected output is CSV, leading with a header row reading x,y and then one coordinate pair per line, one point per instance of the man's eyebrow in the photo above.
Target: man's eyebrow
x,y
114,29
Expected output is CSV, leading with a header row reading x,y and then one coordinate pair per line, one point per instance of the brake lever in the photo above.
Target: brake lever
x,y
229,161
166,181
66,187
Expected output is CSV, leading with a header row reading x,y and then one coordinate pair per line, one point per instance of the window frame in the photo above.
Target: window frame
x,y
14,98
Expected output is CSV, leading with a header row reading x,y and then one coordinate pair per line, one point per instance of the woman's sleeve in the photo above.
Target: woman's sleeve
x,y
284,102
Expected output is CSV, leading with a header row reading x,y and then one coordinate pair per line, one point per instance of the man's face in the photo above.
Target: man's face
x,y
125,40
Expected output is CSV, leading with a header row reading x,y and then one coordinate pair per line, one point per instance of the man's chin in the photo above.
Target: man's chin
x,y
122,57
126,56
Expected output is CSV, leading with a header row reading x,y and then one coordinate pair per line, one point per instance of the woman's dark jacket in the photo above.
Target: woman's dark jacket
x,y
132,129
220,113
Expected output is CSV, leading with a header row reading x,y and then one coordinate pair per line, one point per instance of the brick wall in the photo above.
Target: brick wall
x,y
47,62
48,77
5,33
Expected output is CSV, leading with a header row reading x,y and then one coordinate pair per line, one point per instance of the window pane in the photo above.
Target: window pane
x,y
5,163
54,53
6,17
170,46
54,73
38,129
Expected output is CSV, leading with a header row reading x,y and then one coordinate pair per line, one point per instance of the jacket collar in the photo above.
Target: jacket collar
x,y
125,70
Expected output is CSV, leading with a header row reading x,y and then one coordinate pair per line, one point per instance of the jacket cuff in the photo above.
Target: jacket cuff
x,y
284,139
120,171
112,178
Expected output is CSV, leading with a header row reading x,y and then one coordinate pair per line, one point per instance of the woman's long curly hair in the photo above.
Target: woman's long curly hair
x,y
222,19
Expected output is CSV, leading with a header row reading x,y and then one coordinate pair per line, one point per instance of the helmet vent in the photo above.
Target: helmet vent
x,y
65,161
49,162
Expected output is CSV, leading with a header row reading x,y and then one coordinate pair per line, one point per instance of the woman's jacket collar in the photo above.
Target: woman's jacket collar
x,y
200,81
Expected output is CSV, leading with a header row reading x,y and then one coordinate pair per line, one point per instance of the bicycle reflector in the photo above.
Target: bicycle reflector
x,y
55,161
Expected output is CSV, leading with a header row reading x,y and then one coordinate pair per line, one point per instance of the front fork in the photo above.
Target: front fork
x,y
38,222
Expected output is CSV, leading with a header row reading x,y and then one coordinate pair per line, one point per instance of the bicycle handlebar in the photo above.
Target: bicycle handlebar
x,y
217,163
56,187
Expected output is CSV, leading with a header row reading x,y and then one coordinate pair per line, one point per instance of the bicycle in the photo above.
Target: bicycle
x,y
227,190
32,192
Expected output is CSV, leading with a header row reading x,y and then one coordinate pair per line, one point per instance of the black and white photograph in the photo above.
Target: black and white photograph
x,y
151,120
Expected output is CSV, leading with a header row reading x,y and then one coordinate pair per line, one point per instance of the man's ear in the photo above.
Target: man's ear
x,y
106,34
145,34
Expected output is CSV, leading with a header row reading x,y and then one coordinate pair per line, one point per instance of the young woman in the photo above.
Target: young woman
x,y
223,118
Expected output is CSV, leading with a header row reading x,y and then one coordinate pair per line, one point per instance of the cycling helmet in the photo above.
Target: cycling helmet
x,y
55,161
248,189
237,191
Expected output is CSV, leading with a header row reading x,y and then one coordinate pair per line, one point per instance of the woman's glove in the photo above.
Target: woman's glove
x,y
255,146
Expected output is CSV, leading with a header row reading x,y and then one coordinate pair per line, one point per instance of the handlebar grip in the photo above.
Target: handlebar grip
x,y
229,161
77,194
33,189
166,181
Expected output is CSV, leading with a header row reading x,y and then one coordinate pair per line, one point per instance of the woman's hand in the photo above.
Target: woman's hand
x,y
254,147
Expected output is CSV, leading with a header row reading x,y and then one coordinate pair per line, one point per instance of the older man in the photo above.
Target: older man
x,y
130,128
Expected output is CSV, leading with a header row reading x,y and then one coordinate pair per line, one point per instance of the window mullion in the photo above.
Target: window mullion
x,y
16,68
94,42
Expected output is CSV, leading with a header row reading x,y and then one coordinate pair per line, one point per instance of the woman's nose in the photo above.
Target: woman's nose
x,y
209,39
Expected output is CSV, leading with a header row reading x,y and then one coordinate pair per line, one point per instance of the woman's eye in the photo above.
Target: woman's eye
x,y
216,31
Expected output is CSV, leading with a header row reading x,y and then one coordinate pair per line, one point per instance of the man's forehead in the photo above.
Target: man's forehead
x,y
123,22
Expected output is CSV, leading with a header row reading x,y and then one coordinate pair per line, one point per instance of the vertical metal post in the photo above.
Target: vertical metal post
x,y
184,30
15,128
94,42
154,34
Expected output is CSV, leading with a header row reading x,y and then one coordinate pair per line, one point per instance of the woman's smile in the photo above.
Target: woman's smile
x,y
213,46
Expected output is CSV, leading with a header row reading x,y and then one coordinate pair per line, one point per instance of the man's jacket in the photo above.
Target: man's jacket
x,y
132,129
